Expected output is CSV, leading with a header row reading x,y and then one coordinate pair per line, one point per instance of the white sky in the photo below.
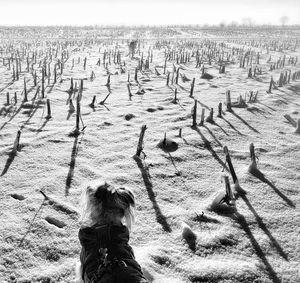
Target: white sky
x,y
146,12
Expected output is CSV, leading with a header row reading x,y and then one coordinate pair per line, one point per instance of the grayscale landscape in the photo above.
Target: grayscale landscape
x,y
200,119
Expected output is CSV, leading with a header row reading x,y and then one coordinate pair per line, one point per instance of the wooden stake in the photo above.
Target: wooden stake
x,y
195,114
72,86
165,139
250,73
103,101
84,63
48,109
224,202
252,153
228,160
71,107
25,91
140,143
55,75
34,79
253,166
36,93
136,75
17,70
129,90
220,110
92,105
43,83
168,78
270,85
202,117
92,77
228,101
180,133
49,74
172,80
177,75
78,114
48,78
7,98
17,142
108,81
192,87
45,196
297,131
14,74
175,96
280,83
80,91
210,118
229,195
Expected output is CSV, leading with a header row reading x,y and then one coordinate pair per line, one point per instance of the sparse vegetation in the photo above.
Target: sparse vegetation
x,y
105,84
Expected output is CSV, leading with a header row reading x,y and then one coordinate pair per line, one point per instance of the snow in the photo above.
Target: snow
x,y
258,243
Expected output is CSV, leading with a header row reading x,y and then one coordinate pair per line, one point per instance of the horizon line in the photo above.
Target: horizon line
x,y
154,25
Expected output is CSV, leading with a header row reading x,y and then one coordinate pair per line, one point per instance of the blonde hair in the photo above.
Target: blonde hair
x,y
100,199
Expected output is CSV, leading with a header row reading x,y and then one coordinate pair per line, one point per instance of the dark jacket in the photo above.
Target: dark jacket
x,y
120,265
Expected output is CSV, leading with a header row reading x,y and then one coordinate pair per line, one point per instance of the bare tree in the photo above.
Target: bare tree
x,y
284,20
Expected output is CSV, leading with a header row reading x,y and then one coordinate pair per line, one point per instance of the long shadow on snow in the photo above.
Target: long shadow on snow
x,y
259,175
245,122
240,219
203,105
231,126
259,102
44,123
42,126
255,110
215,123
9,161
30,115
295,89
72,166
212,134
263,226
13,116
208,146
161,219
7,85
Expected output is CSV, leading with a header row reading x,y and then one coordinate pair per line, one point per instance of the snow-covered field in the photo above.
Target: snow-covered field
x,y
258,242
